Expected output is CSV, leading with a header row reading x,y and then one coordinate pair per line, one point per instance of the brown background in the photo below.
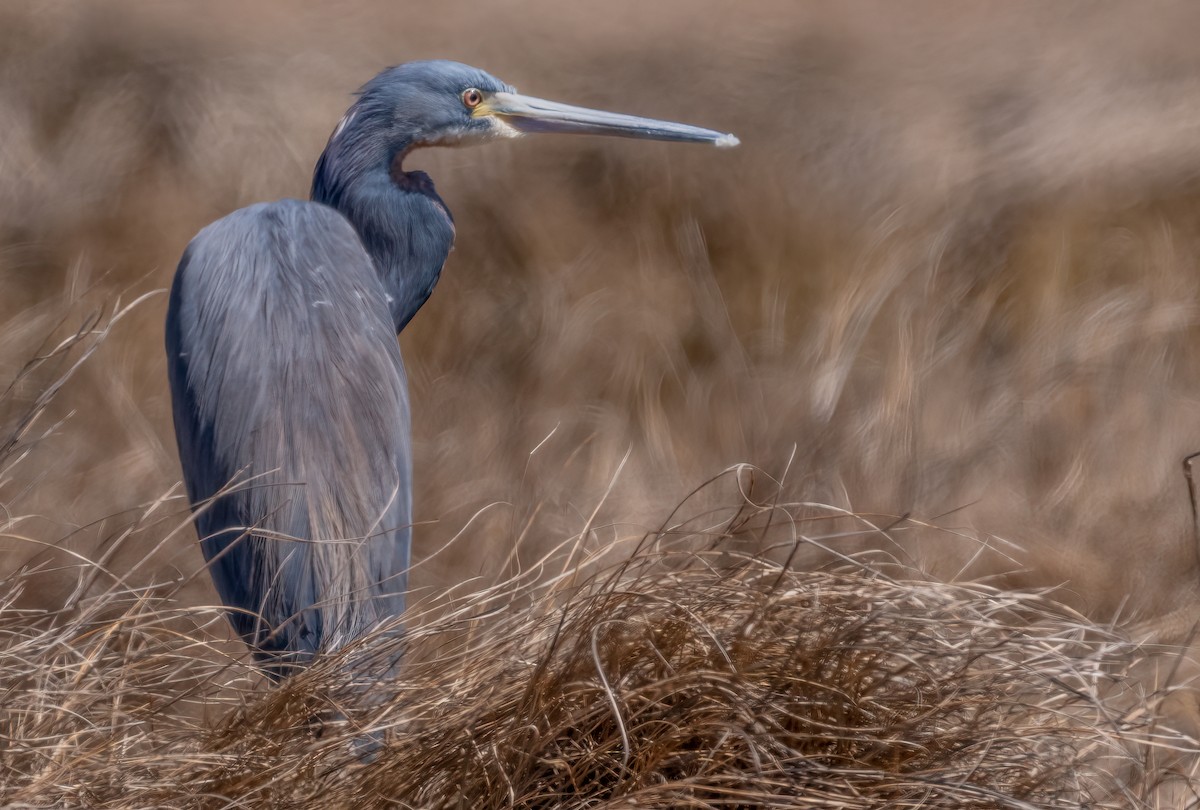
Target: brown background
x,y
951,272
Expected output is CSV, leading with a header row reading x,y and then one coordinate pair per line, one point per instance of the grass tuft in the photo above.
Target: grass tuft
x,y
667,679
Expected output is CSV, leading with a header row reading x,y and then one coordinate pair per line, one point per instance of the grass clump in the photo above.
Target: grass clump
x,y
668,679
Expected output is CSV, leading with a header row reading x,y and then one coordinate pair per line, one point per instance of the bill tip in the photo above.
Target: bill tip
x,y
726,141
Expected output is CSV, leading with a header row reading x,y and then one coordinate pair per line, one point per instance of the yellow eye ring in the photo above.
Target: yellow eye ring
x,y
472,97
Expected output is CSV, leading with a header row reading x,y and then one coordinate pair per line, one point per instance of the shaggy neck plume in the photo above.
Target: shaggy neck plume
x,y
403,224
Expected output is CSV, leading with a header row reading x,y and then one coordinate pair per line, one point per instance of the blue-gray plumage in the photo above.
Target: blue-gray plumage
x,y
290,402
288,382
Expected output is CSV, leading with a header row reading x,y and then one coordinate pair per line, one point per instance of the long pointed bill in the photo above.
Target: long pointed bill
x,y
528,114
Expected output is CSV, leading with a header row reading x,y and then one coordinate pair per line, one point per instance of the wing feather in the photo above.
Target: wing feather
x,y
292,417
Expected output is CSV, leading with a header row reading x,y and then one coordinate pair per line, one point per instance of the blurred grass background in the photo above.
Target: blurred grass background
x,y
950,273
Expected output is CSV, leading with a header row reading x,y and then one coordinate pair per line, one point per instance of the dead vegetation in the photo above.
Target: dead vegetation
x,y
670,679
949,279
679,672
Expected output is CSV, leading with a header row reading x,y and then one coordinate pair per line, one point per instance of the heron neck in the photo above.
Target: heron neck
x,y
403,224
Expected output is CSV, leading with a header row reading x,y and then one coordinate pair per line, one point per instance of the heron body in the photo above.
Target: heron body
x,y
280,393
289,395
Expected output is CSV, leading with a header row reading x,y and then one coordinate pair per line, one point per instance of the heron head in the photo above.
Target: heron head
x,y
443,103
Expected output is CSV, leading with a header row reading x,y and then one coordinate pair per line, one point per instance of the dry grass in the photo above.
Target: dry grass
x,y
669,679
950,274
679,672
938,278
676,672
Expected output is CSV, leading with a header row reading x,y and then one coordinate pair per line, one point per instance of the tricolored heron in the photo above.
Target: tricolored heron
x,y
290,400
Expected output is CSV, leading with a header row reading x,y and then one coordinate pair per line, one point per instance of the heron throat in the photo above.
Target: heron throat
x,y
404,226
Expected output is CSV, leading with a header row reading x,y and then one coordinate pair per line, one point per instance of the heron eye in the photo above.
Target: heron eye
x,y
472,98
